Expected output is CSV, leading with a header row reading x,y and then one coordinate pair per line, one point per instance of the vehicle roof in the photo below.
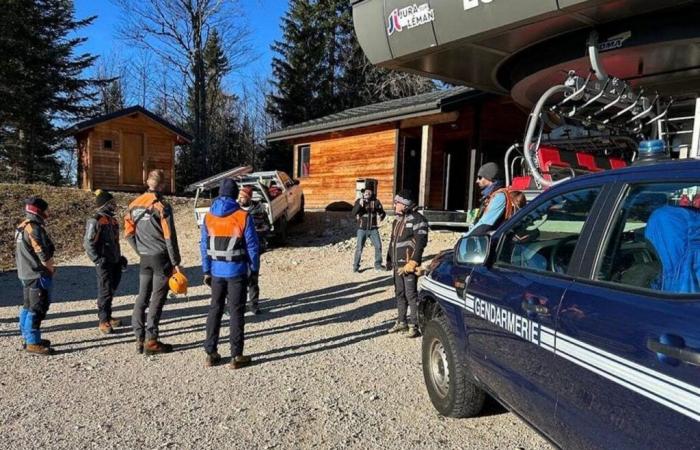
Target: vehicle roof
x,y
646,172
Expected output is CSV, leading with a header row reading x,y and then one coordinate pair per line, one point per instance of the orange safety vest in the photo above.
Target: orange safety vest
x,y
226,236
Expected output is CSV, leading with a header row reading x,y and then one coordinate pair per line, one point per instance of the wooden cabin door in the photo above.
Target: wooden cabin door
x,y
132,159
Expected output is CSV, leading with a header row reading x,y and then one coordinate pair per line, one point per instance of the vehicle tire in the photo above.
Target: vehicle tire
x,y
281,231
450,385
299,218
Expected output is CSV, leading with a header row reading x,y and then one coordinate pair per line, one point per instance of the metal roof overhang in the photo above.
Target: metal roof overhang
x,y
522,47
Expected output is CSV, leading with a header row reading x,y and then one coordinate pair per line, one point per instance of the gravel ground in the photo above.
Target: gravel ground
x,y
326,374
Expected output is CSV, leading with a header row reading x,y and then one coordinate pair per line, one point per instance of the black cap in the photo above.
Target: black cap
x,y
102,198
228,188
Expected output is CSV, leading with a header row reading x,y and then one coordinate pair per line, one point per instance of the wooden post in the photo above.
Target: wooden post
x,y
91,170
426,153
172,167
472,179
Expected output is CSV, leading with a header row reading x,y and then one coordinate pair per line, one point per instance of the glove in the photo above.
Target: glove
x,y
207,279
410,267
123,262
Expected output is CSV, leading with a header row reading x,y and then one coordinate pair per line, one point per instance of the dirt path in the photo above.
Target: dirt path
x,y
326,375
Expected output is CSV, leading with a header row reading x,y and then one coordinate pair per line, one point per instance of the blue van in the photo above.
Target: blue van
x,y
580,314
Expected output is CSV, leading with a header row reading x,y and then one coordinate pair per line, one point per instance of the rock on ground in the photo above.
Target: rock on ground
x,y
326,374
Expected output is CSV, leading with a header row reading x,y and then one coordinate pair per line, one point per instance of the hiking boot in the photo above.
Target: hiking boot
x,y
154,347
212,359
412,332
39,349
44,342
399,327
240,361
116,323
139,346
105,328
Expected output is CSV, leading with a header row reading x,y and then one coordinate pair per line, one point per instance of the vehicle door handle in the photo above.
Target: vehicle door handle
x,y
534,308
687,355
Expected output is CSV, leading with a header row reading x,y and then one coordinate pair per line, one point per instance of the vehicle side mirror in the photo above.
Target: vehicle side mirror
x,y
473,250
296,182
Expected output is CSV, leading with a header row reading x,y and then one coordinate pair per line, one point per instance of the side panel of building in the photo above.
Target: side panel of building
x,y
337,160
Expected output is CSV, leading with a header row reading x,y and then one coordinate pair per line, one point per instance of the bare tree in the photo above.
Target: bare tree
x,y
177,31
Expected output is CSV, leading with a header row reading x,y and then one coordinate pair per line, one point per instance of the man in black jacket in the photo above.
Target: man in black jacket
x,y
409,236
368,211
101,244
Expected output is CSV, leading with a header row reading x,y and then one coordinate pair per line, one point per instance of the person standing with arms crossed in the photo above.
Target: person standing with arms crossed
x,y
149,227
230,251
369,212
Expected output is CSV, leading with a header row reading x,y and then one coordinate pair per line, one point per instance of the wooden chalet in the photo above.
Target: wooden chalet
x,y
116,151
432,144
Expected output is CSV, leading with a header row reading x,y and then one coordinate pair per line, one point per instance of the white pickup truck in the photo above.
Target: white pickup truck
x,y
277,199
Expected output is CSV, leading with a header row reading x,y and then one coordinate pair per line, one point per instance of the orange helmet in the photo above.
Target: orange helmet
x,y
178,283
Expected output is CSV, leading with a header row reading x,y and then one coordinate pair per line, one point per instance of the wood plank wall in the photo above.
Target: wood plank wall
x,y
158,151
337,160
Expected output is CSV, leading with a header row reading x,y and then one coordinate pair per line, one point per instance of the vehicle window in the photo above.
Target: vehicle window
x,y
655,241
545,238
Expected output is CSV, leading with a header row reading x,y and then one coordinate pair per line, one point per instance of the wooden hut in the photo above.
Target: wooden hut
x,y
117,150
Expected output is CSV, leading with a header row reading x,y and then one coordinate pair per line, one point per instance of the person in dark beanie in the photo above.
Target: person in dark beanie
x,y
409,236
494,200
149,228
34,252
245,201
101,243
229,249
369,212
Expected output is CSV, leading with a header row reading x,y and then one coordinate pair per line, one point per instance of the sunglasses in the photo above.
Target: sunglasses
x,y
479,177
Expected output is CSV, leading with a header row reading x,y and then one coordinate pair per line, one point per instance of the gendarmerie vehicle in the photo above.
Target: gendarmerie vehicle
x,y
579,313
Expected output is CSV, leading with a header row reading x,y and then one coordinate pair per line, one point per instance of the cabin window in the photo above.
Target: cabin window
x,y
303,160
107,144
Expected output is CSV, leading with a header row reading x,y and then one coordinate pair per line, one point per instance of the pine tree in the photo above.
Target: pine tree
x,y
41,86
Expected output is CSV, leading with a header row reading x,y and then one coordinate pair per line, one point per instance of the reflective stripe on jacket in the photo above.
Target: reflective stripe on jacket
x,y
226,236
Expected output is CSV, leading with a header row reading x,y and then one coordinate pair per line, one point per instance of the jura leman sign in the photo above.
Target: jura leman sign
x,y
409,17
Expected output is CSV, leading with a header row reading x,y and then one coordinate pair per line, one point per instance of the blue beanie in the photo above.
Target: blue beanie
x,y
228,188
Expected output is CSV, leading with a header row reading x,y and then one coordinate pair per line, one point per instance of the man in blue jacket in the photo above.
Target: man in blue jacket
x,y
230,251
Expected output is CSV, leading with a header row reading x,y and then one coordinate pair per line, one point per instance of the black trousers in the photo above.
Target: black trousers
x,y
235,290
153,291
108,277
406,287
253,290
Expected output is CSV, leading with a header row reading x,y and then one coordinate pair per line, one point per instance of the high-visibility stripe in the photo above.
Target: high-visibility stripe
x,y
675,394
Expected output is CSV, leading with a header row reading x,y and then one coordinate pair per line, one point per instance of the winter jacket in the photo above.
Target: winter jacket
x,y
33,248
225,207
369,214
409,236
149,227
101,240
492,211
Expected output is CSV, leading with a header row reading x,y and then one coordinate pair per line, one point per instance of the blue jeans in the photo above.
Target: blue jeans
x,y
362,236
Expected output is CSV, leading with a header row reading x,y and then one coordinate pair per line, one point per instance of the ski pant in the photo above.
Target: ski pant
x,y
373,236
37,298
108,277
235,290
406,297
253,290
153,291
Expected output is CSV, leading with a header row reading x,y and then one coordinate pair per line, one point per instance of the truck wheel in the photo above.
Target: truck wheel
x,y
281,230
450,386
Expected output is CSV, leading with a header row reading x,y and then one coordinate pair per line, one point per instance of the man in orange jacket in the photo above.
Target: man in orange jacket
x,y
149,228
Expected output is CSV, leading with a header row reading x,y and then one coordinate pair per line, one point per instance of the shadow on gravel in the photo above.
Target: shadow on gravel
x,y
492,408
79,283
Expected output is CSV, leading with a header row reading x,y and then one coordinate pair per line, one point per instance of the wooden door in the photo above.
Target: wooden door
x,y
132,159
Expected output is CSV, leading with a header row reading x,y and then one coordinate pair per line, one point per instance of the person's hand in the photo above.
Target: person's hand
x,y
410,267
50,267
207,279
123,262
177,269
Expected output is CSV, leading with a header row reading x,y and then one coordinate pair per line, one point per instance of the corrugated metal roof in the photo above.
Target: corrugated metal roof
x,y
376,113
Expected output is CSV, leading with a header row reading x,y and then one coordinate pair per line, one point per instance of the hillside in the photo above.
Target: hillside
x,y
68,210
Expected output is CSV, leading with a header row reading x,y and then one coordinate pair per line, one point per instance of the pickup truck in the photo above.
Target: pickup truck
x,y
277,200
580,314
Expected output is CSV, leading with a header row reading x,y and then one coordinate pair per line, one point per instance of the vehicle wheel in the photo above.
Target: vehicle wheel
x,y
299,218
450,386
281,230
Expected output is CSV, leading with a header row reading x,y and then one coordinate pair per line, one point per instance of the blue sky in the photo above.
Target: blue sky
x,y
263,17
